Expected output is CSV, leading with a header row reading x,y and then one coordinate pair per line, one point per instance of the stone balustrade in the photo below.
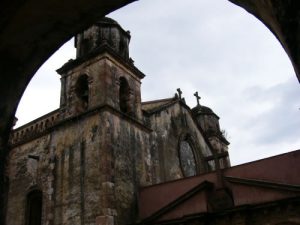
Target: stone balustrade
x,y
35,127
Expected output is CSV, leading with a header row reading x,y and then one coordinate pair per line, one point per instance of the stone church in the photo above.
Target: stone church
x,y
104,157
85,162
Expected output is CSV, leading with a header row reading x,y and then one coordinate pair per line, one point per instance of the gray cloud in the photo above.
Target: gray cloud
x,y
281,121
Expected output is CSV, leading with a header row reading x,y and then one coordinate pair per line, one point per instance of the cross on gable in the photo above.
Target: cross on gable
x,y
179,92
197,98
216,156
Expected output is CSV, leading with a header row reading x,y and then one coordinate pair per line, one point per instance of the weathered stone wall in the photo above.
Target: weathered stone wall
x,y
90,168
170,126
26,174
128,156
105,181
78,184
87,168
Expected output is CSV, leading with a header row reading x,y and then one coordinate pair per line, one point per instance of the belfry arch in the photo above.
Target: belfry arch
x,y
124,96
82,90
26,47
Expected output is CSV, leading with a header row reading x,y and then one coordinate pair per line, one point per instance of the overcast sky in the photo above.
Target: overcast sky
x,y
211,46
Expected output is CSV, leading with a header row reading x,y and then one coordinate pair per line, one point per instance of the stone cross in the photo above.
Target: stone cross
x,y
179,92
197,97
216,158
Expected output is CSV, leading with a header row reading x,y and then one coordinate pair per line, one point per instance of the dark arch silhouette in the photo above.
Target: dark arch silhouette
x,y
34,205
25,46
124,96
82,90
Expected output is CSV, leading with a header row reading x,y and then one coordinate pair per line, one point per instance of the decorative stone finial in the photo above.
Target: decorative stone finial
x,y
179,92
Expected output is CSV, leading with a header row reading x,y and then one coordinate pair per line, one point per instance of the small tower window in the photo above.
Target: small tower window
x,y
82,90
85,47
34,208
124,96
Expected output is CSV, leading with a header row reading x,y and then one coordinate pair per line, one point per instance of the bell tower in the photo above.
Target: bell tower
x,y
209,123
101,101
102,75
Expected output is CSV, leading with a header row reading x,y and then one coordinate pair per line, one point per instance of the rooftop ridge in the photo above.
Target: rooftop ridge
x,y
158,100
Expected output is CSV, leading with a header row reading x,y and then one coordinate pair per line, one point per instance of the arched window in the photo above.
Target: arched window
x,y
82,90
34,208
187,158
124,96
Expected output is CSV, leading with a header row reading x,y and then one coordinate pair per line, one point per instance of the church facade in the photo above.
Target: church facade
x,y
86,162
